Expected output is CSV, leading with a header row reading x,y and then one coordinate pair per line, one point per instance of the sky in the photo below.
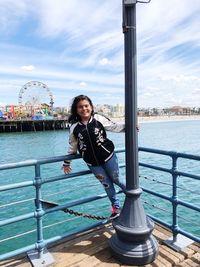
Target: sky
x,y
77,47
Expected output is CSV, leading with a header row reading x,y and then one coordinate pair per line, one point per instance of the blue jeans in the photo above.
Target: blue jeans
x,y
108,175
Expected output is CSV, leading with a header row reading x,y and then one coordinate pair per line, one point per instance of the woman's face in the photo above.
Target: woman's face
x,y
84,110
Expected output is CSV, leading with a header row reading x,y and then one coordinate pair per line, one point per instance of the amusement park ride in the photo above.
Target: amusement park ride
x,y
34,111
35,101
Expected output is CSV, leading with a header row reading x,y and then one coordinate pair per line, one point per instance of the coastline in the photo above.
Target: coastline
x,y
167,118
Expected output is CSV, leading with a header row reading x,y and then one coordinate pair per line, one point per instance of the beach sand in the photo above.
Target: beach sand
x,y
161,118
168,118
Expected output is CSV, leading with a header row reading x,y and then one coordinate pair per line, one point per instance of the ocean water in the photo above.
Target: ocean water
x,y
180,136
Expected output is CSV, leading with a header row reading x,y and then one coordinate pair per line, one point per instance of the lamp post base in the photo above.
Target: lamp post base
x,y
133,242
134,253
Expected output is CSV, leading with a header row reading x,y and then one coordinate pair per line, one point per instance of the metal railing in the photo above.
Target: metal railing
x,y
39,212
174,199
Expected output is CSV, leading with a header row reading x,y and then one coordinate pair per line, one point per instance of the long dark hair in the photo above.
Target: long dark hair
x,y
74,117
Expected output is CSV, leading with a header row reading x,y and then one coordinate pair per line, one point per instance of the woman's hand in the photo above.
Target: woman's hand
x,y
67,169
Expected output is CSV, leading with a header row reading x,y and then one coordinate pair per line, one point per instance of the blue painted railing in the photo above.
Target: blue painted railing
x,y
39,213
174,199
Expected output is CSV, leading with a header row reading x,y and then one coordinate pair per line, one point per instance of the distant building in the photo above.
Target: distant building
x,y
176,110
117,111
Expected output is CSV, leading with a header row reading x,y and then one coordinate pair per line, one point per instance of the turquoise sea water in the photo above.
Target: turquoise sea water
x,y
182,136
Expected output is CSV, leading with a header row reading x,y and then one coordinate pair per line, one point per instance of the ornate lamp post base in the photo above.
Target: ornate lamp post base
x,y
133,242
135,253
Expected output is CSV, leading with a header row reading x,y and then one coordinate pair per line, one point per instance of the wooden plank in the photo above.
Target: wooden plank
x,y
163,230
195,247
67,242
16,262
72,258
187,252
183,264
191,263
169,256
196,258
160,236
164,261
110,263
79,251
102,256
174,253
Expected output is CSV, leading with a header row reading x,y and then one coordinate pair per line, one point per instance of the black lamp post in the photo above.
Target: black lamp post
x,y
133,242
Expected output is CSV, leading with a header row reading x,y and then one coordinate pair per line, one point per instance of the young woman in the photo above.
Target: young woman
x,y
88,137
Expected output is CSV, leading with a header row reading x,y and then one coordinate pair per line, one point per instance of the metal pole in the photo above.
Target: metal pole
x,y
131,137
40,256
133,242
40,240
175,198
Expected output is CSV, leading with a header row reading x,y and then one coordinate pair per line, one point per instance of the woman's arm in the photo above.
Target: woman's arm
x,y
72,149
108,124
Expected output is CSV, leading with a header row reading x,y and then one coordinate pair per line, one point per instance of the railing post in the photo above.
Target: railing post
x,y
177,241
40,257
133,242
174,197
39,210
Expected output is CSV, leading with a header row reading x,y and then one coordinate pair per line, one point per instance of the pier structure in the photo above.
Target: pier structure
x,y
70,246
25,125
34,111
90,249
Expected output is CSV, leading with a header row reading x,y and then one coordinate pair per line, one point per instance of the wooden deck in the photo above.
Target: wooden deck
x,y
91,249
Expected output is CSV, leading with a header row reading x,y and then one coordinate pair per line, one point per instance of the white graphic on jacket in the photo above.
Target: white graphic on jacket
x,y
81,143
99,135
100,139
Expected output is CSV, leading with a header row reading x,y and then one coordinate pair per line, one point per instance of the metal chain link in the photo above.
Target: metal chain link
x,y
48,204
85,215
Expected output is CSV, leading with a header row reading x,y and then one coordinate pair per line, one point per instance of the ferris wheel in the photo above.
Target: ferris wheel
x,y
35,93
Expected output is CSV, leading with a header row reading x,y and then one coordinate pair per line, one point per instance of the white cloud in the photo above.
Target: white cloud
x,y
28,68
196,91
104,61
83,84
180,78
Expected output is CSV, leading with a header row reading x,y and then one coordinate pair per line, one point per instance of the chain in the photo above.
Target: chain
x,y
48,204
85,215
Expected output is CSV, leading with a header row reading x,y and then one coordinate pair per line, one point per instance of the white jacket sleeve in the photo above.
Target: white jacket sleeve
x,y
73,142
72,148
110,125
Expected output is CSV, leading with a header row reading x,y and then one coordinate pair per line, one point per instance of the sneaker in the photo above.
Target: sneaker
x,y
115,213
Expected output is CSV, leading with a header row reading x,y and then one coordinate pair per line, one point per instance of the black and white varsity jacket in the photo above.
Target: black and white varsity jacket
x,y
91,142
